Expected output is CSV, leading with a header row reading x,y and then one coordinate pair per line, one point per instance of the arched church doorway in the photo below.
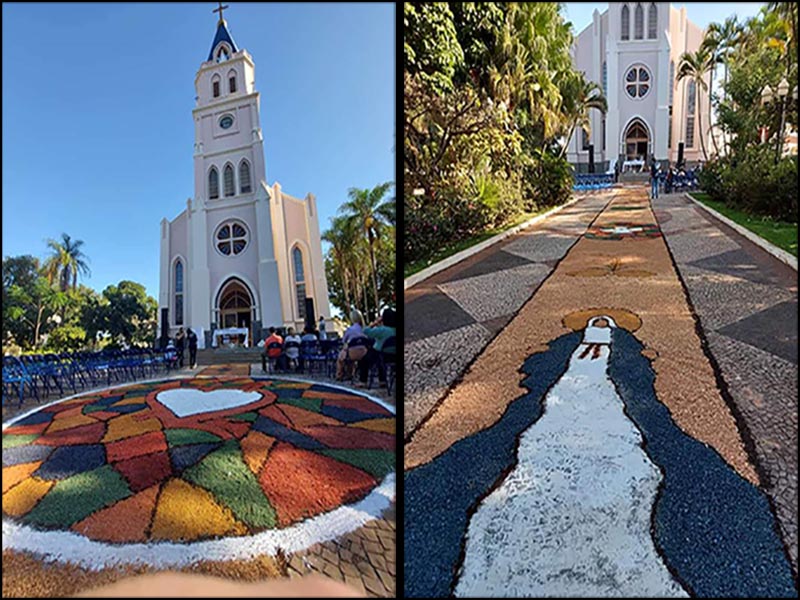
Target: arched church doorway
x,y
235,307
637,141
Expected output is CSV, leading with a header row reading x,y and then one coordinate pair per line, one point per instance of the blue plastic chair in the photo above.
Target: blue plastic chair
x,y
16,377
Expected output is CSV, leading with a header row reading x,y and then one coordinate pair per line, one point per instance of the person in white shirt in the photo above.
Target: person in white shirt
x,y
322,334
292,353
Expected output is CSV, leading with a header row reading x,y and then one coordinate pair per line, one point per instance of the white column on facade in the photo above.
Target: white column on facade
x,y
612,119
282,254
199,292
661,124
316,260
163,283
268,281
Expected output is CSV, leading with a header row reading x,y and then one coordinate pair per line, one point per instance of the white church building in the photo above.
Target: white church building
x,y
632,50
243,254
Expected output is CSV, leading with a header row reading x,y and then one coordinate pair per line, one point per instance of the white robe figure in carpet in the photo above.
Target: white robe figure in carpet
x,y
573,516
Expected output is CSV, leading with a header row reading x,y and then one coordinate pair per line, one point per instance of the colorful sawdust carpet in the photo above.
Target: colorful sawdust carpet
x,y
623,230
194,459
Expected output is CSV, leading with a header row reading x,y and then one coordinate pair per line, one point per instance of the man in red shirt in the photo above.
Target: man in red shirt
x,y
271,352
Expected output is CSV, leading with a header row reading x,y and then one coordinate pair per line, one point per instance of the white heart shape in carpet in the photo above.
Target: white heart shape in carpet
x,y
185,402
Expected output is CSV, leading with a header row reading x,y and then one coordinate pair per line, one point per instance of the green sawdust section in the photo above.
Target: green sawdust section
x,y
312,404
11,441
230,480
375,462
181,437
76,497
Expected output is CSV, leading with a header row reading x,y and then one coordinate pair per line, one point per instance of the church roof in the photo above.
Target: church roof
x,y
223,35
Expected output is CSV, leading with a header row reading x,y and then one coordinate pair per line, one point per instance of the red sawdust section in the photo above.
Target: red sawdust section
x,y
685,381
86,434
255,447
347,438
144,471
334,396
318,483
272,412
154,441
359,404
26,429
125,521
236,429
16,473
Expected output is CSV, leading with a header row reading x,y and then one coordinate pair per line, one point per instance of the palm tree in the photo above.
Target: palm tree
x,y
581,95
66,262
370,211
342,237
695,65
712,42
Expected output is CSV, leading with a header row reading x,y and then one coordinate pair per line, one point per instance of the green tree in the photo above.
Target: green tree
x,y
66,262
371,212
126,312
695,66
430,45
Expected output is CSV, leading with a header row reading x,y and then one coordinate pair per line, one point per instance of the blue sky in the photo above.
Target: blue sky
x,y
699,13
97,123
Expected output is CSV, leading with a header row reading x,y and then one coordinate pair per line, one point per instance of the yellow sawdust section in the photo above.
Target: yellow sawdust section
x,y
25,576
69,423
22,497
186,513
126,426
684,381
231,369
136,400
16,473
388,425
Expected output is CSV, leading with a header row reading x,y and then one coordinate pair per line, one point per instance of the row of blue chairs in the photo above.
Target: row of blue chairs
x,y
592,181
679,183
40,375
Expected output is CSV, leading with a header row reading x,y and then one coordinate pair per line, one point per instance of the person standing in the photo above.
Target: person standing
x,y
654,179
180,343
191,338
322,334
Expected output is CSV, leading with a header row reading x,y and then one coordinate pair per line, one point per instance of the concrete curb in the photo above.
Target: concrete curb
x,y
781,255
456,258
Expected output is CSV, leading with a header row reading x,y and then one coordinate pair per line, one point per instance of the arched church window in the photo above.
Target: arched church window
x,y
231,238
626,23
671,81
244,178
222,55
227,178
691,104
652,21
605,79
299,281
639,22
215,86
179,293
213,184
232,82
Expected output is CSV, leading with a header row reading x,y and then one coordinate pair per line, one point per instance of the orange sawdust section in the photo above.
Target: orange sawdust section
x,y
16,473
233,370
25,576
125,521
684,381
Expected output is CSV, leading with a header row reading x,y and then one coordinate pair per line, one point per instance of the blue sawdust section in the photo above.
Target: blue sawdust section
x,y
439,495
713,527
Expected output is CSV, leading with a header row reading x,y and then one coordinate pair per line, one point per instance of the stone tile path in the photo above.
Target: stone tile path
x,y
746,303
459,310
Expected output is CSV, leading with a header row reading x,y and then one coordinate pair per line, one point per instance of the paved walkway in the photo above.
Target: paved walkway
x,y
595,424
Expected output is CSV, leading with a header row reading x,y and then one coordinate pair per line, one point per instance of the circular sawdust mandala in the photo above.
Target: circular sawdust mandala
x,y
623,231
193,460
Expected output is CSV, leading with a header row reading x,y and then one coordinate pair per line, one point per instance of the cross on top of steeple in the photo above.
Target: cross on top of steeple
x,y
219,10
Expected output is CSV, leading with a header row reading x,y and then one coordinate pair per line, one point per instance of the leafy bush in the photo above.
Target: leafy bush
x,y
751,181
548,181
66,338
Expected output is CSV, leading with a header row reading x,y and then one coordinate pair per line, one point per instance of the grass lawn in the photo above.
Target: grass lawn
x,y
779,233
445,251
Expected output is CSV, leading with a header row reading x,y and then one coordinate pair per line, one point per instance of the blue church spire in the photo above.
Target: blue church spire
x,y
222,35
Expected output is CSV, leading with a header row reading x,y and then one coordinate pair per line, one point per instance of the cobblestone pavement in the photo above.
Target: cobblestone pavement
x,y
588,447
746,303
458,311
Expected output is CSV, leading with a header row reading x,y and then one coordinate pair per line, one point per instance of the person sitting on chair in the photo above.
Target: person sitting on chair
x,y
292,347
380,330
275,351
354,348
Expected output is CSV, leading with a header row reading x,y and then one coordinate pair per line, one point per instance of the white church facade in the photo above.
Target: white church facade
x,y
632,50
243,254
